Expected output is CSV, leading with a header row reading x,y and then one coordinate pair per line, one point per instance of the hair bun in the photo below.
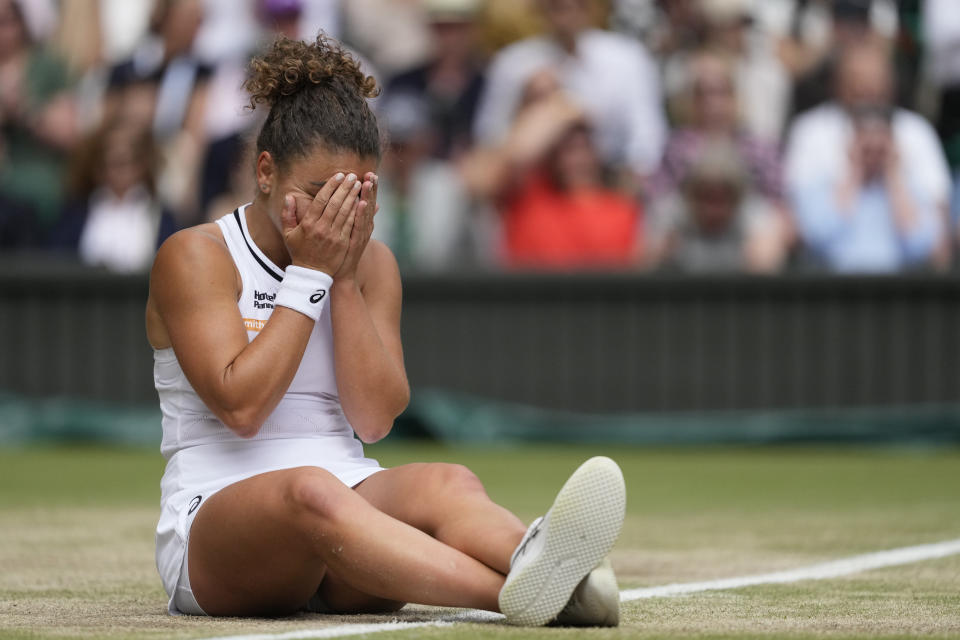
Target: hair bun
x,y
290,66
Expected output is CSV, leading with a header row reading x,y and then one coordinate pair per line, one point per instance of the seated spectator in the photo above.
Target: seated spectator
x,y
729,28
820,140
666,27
557,205
116,221
37,129
941,26
392,34
423,204
820,35
710,111
714,222
450,83
872,218
611,75
163,85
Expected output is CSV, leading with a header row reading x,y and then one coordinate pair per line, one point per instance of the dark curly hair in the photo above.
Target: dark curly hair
x,y
316,93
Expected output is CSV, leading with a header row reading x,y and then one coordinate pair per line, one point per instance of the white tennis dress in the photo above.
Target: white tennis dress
x,y
308,427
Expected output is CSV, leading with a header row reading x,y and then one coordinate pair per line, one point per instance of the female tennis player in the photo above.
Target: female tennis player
x,y
276,332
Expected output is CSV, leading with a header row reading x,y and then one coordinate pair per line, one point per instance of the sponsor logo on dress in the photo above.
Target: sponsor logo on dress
x,y
254,324
263,300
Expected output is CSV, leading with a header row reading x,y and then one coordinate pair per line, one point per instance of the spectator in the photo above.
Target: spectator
x,y
423,204
714,222
37,129
164,87
610,74
558,207
116,221
665,26
710,109
729,28
392,34
812,59
228,120
450,83
820,140
762,81
942,27
871,219
941,24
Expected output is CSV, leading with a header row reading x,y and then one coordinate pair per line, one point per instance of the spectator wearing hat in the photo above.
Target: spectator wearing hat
x,y
819,143
873,218
612,76
714,221
449,84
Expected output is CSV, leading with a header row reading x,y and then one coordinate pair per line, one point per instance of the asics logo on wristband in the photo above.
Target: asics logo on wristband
x,y
318,296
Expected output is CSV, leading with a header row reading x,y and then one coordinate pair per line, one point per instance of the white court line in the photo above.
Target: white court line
x,y
822,571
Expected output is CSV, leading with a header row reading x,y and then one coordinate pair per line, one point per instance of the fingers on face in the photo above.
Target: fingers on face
x,y
324,195
361,222
343,202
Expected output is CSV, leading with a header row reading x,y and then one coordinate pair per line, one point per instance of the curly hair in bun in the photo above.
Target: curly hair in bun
x,y
316,93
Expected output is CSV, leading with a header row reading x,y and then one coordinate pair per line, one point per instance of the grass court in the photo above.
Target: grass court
x,y
76,542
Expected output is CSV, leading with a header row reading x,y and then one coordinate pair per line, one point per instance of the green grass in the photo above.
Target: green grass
x,y
76,540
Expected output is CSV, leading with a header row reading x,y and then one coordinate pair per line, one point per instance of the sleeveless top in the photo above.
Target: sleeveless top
x,y
308,426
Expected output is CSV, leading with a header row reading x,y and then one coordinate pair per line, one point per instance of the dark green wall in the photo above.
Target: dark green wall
x,y
590,343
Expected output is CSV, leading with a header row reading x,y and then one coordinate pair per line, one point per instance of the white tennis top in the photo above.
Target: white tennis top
x,y
308,427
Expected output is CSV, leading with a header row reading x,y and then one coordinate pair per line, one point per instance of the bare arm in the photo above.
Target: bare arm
x,y
193,288
365,309
491,172
193,307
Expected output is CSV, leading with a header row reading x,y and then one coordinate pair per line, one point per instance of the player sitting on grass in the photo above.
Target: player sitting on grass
x,y
276,332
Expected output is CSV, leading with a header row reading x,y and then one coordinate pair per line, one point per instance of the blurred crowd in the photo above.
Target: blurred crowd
x,y
697,136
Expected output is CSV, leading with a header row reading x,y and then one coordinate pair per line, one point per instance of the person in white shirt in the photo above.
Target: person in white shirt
x,y
611,75
819,140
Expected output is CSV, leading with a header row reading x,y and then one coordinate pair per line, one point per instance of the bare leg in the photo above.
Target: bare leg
x,y
262,546
445,501
448,502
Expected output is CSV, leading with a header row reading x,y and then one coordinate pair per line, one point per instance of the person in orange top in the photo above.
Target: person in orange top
x,y
562,215
558,209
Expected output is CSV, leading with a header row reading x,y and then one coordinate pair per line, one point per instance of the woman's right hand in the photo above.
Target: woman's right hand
x,y
318,236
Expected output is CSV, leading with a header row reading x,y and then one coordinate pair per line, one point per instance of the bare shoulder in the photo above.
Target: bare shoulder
x,y
190,263
194,260
201,243
378,267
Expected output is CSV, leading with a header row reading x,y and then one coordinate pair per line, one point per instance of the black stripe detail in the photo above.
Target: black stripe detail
x,y
266,267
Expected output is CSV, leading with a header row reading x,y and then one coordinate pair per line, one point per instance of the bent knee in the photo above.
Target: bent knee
x,y
315,491
453,477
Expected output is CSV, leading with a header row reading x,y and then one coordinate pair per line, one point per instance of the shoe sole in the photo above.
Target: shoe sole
x,y
585,521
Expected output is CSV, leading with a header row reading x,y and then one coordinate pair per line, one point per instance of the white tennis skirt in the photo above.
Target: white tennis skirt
x,y
196,473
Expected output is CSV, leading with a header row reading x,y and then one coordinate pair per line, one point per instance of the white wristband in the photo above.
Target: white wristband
x,y
304,290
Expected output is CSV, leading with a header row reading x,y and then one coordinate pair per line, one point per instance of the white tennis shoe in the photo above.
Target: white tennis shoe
x,y
595,602
562,547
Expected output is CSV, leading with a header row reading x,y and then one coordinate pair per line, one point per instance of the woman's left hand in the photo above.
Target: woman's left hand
x,y
362,227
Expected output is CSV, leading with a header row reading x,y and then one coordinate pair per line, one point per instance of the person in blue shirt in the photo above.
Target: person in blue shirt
x,y
871,218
